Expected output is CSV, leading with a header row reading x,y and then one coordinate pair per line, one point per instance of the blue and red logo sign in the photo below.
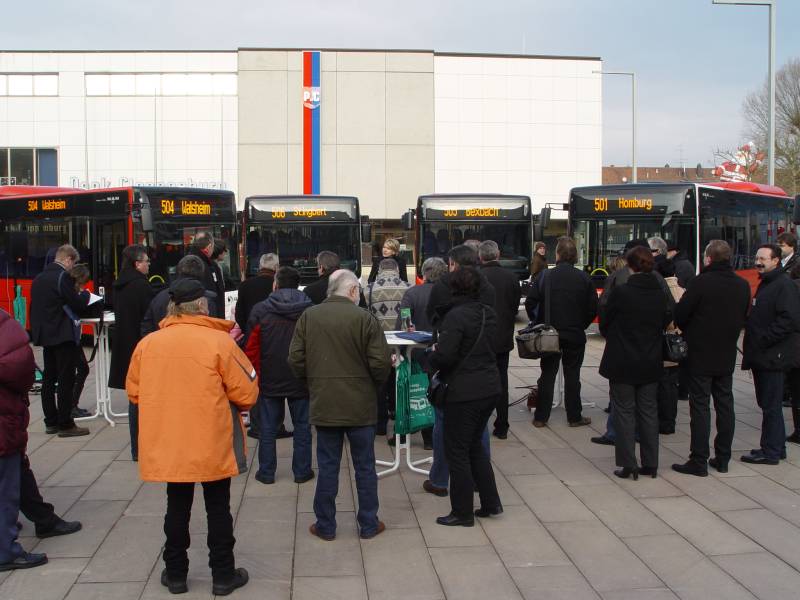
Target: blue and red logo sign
x,y
311,132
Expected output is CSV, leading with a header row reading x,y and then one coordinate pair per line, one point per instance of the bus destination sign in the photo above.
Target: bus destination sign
x,y
263,210
474,212
46,205
185,207
622,204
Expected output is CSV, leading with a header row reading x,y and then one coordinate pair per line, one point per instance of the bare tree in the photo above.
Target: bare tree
x,y
787,123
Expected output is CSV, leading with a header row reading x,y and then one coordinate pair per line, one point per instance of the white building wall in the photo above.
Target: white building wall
x,y
517,125
114,140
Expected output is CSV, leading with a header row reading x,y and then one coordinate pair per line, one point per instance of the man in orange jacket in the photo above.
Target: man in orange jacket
x,y
191,381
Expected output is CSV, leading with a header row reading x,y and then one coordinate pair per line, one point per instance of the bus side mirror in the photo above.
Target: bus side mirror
x,y
408,219
540,224
144,213
366,229
544,217
796,210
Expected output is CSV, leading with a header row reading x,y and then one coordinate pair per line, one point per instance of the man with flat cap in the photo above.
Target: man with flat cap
x,y
191,382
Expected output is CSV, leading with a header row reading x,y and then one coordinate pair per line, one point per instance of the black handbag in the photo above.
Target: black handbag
x,y
437,389
675,347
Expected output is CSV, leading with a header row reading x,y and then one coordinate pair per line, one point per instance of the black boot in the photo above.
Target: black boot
x,y
795,437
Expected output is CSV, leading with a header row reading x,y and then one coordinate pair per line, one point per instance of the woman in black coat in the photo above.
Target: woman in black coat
x,y
633,325
466,362
391,249
132,296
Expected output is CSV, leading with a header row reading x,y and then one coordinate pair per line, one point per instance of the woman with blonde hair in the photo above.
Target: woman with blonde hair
x,y
391,249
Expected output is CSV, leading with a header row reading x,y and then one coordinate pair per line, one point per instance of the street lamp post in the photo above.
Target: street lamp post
x,y
771,130
632,75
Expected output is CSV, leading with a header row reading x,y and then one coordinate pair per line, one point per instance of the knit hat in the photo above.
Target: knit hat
x,y
186,290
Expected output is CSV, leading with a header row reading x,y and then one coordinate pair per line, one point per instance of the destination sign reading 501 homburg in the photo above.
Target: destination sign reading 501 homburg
x,y
622,203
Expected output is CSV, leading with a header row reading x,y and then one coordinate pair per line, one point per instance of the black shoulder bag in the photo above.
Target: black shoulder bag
x,y
437,390
537,341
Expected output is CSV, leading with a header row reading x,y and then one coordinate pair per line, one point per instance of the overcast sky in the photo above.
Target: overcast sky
x,y
695,62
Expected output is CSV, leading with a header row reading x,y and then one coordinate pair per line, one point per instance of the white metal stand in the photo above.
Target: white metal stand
x,y
401,347
101,370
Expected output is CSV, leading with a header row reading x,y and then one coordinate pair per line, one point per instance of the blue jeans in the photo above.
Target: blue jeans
x,y
329,457
271,415
440,472
769,395
9,507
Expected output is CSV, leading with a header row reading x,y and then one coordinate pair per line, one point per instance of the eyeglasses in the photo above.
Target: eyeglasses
x,y
144,260
653,251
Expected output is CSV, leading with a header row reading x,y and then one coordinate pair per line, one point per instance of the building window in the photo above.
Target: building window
x,y
161,84
28,166
27,84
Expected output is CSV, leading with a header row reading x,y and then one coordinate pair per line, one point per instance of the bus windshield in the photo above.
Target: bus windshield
x,y
514,240
171,242
603,220
297,245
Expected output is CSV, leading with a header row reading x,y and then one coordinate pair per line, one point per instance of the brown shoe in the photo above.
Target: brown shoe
x,y
583,421
432,489
73,431
381,528
313,530
539,423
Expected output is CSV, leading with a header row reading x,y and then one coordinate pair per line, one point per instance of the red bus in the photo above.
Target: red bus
x,y
34,222
603,218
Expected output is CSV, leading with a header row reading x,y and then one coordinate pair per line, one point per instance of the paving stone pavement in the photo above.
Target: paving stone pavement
x,y
570,529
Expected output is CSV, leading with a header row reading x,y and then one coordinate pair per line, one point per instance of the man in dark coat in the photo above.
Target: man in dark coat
x,y
684,269
506,306
267,337
771,347
787,242
572,301
341,353
132,297
441,298
327,264
203,248
52,328
711,315
189,267
256,289
17,369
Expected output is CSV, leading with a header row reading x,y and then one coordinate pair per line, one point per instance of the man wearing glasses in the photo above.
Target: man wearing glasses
x,y
132,296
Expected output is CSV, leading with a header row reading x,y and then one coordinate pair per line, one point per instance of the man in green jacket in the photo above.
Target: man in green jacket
x,y
341,353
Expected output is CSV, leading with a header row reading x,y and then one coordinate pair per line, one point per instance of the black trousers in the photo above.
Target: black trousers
x,y
635,410
81,373
464,423
668,400
59,368
501,420
31,503
572,359
217,497
702,388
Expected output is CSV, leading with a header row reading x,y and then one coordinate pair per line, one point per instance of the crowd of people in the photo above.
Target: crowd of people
x,y
191,376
